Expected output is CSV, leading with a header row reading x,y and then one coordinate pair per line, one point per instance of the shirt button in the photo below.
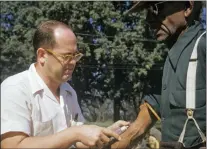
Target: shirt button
x,y
164,86
163,118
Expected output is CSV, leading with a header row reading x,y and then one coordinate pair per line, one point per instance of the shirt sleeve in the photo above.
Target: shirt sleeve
x,y
15,112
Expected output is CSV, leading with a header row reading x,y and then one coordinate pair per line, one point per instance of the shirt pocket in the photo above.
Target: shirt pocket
x,y
42,127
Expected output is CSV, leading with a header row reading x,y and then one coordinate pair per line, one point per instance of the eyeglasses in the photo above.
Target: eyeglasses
x,y
67,57
156,8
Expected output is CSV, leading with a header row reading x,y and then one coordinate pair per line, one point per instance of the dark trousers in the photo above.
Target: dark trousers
x,y
177,145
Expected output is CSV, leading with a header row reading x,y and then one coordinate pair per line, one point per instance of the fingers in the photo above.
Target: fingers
x,y
95,136
117,125
105,139
101,141
100,144
110,133
122,123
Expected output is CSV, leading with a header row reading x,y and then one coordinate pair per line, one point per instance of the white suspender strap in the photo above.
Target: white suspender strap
x,y
191,77
190,117
191,92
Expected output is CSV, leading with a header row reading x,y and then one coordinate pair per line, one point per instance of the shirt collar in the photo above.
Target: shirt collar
x,y
182,42
66,87
37,84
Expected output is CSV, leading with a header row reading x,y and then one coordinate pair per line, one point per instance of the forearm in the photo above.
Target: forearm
x,y
137,129
140,125
63,139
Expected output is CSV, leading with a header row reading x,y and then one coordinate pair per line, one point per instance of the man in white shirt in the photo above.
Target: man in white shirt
x,y
38,106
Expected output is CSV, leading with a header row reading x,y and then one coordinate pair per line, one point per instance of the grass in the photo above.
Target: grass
x,y
101,124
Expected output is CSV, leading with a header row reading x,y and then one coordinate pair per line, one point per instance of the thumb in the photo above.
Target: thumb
x,y
122,123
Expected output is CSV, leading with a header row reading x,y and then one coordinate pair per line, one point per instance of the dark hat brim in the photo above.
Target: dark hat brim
x,y
138,6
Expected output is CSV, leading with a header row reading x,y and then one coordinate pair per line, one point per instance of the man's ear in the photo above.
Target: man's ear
x,y
41,55
189,8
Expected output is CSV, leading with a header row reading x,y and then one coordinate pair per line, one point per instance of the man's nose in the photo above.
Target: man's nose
x,y
73,61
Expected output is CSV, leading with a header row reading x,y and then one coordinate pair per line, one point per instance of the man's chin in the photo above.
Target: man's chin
x,y
66,78
161,38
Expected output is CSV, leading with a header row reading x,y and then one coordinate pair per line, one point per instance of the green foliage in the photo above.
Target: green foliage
x,y
115,67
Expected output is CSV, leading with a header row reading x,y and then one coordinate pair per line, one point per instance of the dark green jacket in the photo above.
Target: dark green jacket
x,y
170,105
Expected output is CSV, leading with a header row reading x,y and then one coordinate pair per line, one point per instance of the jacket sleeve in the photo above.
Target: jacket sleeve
x,y
152,93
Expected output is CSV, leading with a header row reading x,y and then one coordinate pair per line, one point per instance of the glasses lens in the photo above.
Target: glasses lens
x,y
76,57
68,58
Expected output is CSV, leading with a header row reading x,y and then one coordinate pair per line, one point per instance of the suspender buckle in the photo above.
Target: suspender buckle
x,y
190,113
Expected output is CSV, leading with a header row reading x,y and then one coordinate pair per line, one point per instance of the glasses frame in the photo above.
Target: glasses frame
x,y
65,56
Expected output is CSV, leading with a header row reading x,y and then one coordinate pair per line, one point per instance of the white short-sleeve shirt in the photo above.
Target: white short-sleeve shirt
x,y
28,105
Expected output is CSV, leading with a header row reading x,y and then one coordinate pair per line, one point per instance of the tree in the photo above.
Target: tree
x,y
118,59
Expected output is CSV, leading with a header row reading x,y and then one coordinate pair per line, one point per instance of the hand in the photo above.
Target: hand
x,y
115,126
127,138
95,136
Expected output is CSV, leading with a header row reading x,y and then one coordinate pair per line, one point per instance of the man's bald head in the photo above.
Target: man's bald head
x,y
44,35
